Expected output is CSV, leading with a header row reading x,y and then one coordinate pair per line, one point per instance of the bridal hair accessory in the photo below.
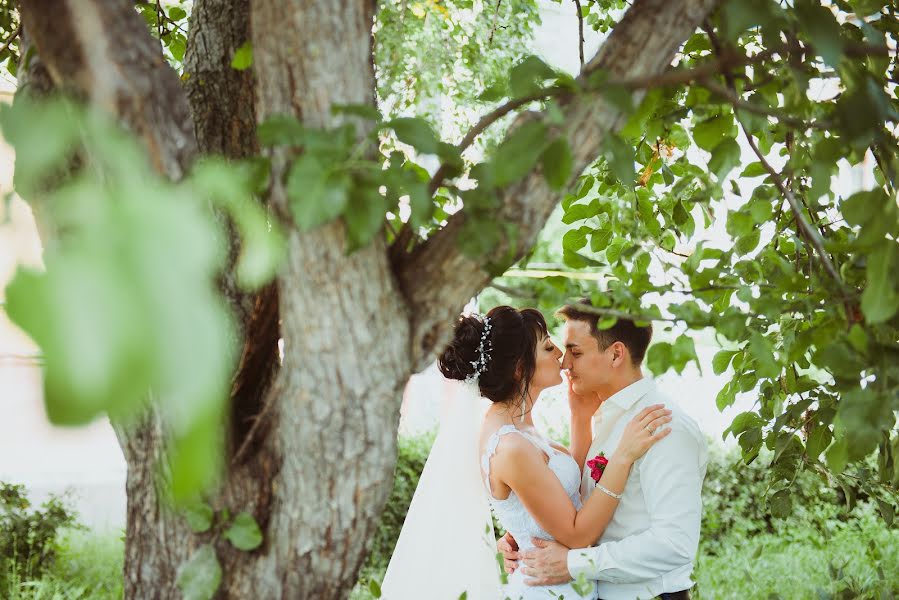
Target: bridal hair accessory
x,y
484,349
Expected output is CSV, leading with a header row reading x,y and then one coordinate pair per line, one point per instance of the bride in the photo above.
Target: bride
x,y
531,483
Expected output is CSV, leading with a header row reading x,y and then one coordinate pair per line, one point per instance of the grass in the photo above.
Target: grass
x,y
854,559
88,567
858,559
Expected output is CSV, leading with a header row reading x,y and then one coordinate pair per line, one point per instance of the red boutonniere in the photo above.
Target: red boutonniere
x,y
597,465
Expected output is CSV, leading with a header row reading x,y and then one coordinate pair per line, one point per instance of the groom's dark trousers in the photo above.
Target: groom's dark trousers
x,y
682,595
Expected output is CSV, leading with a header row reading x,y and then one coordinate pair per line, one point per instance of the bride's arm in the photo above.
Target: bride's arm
x,y
521,466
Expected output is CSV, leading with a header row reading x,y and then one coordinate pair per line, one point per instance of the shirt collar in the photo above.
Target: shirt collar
x,y
627,397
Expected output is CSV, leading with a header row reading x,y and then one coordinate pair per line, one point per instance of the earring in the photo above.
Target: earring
x,y
524,402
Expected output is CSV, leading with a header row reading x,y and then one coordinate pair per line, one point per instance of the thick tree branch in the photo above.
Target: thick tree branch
x,y
102,52
437,278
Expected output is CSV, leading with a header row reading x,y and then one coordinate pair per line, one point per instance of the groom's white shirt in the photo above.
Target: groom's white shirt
x,y
650,544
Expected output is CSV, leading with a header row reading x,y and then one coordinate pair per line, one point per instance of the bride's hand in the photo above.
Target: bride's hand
x,y
643,432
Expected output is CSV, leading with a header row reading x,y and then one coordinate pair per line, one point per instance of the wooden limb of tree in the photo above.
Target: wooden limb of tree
x,y
103,53
437,278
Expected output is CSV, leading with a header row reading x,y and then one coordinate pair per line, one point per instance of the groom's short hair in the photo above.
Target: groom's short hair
x,y
636,338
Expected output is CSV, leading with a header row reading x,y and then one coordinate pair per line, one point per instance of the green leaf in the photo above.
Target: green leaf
x,y
518,153
726,396
176,13
281,129
243,57
199,578
374,589
862,417
748,243
262,243
599,239
528,76
89,328
837,455
365,111
199,516
317,195
683,351
781,504
761,350
721,361
659,357
575,239
620,156
755,169
579,212
557,163
886,511
417,133
880,301
43,135
822,29
710,133
244,533
365,215
725,156
761,211
818,440
177,48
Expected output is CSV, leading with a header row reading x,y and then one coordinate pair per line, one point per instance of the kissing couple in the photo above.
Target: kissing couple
x,y
615,516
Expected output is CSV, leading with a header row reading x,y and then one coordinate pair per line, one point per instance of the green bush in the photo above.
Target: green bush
x,y
28,537
740,538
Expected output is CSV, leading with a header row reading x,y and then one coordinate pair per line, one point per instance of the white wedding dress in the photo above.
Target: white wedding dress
x,y
515,519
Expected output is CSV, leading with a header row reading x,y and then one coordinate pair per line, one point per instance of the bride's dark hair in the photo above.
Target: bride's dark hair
x,y
514,335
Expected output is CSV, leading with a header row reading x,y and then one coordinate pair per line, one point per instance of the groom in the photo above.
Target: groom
x,y
649,546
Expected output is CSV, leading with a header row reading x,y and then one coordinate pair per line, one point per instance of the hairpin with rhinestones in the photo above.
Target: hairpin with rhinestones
x,y
484,349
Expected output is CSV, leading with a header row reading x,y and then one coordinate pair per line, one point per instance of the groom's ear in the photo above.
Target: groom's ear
x,y
620,355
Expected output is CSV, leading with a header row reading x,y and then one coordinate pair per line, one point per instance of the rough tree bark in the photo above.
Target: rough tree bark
x,y
318,470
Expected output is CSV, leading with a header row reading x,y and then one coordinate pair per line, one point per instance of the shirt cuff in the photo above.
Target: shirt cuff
x,y
583,560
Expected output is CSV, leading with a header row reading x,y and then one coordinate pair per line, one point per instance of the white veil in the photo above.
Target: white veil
x,y
447,544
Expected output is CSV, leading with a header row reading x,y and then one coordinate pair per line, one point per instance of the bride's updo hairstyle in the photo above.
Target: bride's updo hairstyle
x,y
514,335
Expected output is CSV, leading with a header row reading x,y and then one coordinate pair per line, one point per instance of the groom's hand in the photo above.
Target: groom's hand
x,y
547,564
509,547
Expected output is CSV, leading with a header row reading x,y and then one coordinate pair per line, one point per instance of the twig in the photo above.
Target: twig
x,y
495,15
257,421
580,26
11,39
738,102
513,292
488,120
810,232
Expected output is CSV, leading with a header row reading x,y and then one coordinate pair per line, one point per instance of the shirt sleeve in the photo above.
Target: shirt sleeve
x,y
671,479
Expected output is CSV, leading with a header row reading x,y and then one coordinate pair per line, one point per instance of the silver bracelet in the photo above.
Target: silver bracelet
x,y
607,491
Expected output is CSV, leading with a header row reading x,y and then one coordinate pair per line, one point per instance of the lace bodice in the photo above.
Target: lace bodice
x,y
514,517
